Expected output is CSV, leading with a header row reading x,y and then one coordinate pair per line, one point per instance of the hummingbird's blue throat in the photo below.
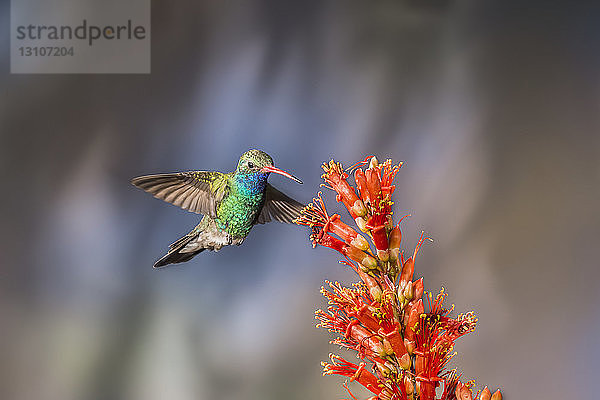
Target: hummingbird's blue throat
x,y
251,184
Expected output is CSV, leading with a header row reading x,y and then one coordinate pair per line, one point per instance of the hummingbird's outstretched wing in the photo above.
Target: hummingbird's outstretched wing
x,y
195,191
279,207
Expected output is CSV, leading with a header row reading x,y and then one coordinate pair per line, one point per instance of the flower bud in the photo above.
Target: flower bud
x,y
373,186
360,242
412,313
394,243
383,368
408,385
410,344
497,395
387,347
409,291
418,288
375,293
402,301
358,208
361,184
383,255
401,286
404,361
359,256
369,262
361,223
373,162
485,394
336,177
408,269
374,288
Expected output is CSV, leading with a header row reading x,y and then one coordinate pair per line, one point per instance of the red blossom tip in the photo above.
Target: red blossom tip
x,y
360,163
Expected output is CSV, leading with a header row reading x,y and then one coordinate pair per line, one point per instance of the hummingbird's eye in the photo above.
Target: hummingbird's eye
x,y
250,164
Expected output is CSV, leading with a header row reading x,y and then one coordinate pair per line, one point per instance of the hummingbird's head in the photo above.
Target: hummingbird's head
x,y
258,162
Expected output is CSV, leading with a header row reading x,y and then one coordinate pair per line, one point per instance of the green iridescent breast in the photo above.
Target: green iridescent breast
x,y
238,211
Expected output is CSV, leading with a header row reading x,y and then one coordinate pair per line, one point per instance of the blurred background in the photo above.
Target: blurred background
x,y
493,107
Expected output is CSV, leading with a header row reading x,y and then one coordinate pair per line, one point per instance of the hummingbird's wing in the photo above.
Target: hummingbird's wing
x,y
278,207
195,191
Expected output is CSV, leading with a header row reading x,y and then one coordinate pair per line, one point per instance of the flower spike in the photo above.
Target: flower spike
x,y
403,338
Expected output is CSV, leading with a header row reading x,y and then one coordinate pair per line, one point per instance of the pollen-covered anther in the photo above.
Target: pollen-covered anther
x,y
388,174
461,325
314,214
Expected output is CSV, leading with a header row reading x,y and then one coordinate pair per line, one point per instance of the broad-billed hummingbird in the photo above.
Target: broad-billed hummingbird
x,y
232,203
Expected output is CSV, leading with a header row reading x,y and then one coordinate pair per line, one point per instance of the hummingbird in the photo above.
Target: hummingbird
x,y
231,203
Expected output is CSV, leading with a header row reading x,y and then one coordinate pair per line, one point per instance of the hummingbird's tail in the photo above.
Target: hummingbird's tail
x,y
176,252
205,235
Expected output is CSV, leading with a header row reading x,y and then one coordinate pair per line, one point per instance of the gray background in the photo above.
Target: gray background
x,y
493,106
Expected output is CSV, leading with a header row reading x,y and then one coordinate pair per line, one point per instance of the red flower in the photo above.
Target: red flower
x,y
356,373
404,347
335,177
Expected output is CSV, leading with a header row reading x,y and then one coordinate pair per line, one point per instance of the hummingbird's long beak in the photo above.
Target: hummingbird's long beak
x,y
270,168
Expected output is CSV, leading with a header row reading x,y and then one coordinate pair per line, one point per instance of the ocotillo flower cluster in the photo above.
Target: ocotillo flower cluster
x,y
403,343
